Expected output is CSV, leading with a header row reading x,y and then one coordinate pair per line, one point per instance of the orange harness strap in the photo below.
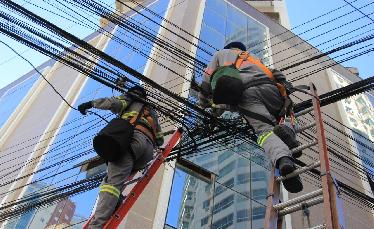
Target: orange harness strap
x,y
245,56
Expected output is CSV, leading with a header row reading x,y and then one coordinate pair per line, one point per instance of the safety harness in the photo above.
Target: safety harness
x,y
146,124
228,87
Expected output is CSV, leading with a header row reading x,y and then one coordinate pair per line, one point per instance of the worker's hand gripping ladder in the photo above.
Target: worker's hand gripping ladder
x,y
328,194
142,182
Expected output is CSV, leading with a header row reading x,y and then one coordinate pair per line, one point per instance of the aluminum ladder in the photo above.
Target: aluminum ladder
x,y
140,185
327,195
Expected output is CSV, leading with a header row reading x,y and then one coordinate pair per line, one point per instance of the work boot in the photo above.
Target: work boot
x,y
288,136
287,166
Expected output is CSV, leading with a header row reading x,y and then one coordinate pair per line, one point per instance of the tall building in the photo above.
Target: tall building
x,y
53,214
41,135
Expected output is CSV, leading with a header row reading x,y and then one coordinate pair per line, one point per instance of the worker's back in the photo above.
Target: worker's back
x,y
225,57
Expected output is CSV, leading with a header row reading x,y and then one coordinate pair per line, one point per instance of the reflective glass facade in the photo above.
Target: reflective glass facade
x,y
237,198
73,143
10,99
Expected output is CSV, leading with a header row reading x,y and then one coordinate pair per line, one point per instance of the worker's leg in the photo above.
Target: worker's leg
x,y
271,143
118,172
265,101
279,153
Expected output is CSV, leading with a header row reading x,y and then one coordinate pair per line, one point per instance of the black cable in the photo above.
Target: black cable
x,y
54,89
359,10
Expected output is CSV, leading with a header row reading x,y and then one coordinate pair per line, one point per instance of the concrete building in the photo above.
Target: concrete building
x,y
38,129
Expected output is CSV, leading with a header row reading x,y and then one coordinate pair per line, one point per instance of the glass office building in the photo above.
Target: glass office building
x,y
72,142
236,198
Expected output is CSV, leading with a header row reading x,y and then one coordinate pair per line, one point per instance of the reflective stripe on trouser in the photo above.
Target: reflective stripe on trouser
x,y
117,175
262,138
110,189
254,99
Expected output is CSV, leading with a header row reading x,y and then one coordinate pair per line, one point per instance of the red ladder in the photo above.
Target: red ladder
x,y
142,182
328,194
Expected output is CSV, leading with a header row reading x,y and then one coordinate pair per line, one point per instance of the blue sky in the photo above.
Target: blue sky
x,y
12,66
302,11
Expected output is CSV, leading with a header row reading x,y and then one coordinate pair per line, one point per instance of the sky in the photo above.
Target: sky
x,y
13,67
302,11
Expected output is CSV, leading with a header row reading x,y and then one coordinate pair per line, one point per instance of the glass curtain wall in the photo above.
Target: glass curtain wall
x,y
73,143
10,99
237,199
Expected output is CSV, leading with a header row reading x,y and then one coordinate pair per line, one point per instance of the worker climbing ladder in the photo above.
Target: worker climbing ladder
x,y
141,183
327,195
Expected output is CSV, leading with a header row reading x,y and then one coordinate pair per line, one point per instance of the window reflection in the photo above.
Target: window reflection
x,y
73,143
237,199
14,95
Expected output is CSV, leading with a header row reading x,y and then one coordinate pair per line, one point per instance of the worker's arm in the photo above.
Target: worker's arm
x,y
205,93
115,104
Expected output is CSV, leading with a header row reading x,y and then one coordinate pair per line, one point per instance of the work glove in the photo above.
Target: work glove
x,y
84,107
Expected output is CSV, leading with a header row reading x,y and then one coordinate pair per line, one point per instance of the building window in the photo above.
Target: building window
x,y
189,195
185,225
353,121
187,211
206,204
243,178
204,220
258,159
361,101
259,176
243,215
224,156
259,194
221,188
223,223
244,196
208,165
369,121
227,169
225,203
258,213
192,180
243,163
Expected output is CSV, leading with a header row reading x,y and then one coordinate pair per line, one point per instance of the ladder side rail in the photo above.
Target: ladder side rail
x,y
134,194
327,185
271,214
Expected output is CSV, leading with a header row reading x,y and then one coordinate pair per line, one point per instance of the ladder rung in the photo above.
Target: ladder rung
x,y
299,171
298,199
303,112
298,207
302,147
322,226
301,129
